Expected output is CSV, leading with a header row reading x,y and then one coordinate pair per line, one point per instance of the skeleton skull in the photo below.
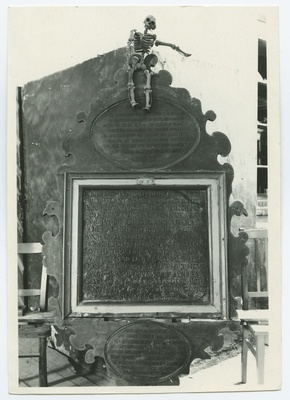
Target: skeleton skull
x,y
150,22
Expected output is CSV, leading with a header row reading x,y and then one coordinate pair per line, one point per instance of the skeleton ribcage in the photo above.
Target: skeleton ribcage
x,y
143,43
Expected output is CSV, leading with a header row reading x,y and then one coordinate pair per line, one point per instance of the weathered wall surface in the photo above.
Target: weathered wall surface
x,y
50,108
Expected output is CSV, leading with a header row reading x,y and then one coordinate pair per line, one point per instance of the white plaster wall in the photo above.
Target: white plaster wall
x,y
222,73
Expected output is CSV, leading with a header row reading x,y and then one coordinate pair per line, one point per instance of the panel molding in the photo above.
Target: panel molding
x,y
215,186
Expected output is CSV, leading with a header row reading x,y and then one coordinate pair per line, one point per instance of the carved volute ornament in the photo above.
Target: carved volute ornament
x,y
139,58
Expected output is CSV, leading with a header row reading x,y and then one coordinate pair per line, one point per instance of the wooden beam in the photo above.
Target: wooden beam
x,y
29,248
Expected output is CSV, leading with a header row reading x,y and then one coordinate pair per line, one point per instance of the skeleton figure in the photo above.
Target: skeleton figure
x,y
139,47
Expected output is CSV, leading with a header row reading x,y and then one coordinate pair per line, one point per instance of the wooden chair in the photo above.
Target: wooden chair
x,y
254,321
35,324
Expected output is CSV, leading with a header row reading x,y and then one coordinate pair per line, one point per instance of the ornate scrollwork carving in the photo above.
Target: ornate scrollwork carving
x,y
52,257
238,251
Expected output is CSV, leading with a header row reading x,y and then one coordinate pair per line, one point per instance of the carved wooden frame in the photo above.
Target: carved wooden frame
x,y
215,182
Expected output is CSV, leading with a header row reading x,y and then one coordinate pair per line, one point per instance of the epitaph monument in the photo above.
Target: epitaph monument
x,y
146,243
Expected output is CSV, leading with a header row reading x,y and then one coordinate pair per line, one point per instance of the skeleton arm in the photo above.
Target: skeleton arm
x,y
173,46
131,37
130,43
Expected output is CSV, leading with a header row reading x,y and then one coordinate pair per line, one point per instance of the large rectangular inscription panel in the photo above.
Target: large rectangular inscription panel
x,y
145,245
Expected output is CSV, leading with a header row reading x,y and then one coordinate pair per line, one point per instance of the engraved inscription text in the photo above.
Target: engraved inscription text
x,y
148,351
163,137
145,245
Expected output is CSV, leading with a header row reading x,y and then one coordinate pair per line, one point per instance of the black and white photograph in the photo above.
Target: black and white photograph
x,y
144,190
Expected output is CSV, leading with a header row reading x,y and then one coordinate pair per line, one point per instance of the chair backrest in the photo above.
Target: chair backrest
x,y
34,248
257,268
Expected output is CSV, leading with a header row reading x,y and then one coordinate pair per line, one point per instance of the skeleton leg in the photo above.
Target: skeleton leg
x,y
134,62
148,90
131,87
